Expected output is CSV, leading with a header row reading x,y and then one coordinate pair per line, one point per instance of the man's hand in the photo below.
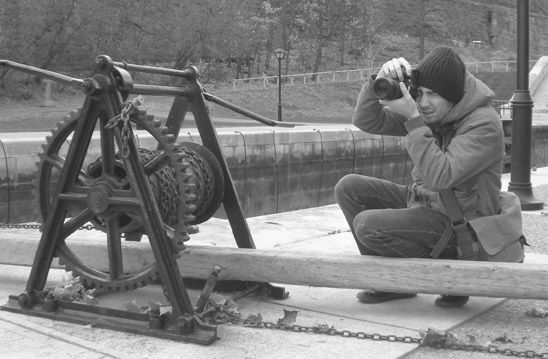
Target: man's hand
x,y
405,106
395,69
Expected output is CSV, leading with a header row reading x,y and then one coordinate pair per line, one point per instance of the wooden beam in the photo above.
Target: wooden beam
x,y
418,275
321,269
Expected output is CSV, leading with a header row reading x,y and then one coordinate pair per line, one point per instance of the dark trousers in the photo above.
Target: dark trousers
x,y
382,225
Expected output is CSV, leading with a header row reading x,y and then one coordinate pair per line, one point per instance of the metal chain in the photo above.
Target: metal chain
x,y
124,151
87,227
324,330
328,331
130,107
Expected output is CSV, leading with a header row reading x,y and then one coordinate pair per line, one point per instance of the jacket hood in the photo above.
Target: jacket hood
x,y
476,94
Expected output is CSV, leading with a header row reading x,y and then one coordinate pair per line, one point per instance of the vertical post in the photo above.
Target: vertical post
x,y
47,94
279,89
520,176
280,54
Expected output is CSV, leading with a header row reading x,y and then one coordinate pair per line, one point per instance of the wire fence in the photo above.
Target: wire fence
x,y
353,75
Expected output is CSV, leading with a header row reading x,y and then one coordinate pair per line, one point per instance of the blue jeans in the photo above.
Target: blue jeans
x,y
382,224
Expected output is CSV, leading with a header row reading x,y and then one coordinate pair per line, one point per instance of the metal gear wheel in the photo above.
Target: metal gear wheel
x,y
172,184
209,180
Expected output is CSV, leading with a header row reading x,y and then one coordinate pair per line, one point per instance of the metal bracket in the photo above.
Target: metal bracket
x,y
185,328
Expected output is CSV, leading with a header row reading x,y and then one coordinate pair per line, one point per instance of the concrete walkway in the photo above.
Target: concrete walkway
x,y
321,229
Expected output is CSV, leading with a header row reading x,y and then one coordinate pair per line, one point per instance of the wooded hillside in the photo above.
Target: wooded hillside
x,y
230,39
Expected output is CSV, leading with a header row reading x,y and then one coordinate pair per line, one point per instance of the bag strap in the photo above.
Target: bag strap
x,y
452,206
467,243
442,243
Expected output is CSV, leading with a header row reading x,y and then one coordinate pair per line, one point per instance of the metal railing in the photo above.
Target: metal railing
x,y
503,108
304,79
353,75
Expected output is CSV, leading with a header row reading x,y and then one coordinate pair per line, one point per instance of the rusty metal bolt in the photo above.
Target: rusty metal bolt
x,y
50,304
25,300
185,324
155,320
101,63
87,85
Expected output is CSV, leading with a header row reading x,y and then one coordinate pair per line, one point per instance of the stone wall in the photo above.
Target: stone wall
x,y
274,170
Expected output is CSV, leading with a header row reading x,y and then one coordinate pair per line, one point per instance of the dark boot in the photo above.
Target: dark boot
x,y
372,297
451,301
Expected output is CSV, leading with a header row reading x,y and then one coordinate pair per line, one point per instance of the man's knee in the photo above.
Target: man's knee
x,y
348,185
365,229
370,228
344,184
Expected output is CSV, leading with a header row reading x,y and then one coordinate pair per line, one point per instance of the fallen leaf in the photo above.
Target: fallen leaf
x,y
432,336
323,328
453,339
290,316
71,292
223,309
90,299
133,307
253,320
537,312
472,340
503,339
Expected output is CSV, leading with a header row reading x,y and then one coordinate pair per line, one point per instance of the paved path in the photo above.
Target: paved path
x,y
322,229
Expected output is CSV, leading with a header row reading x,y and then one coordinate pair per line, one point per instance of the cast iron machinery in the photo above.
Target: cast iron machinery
x,y
126,191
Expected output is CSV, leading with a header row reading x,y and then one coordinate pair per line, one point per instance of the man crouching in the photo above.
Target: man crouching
x,y
454,138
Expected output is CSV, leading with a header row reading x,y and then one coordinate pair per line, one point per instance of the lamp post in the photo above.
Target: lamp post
x,y
280,54
476,44
522,105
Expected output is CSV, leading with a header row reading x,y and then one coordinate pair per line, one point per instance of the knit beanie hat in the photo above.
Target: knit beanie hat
x,y
441,71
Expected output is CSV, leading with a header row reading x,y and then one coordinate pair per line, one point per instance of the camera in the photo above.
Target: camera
x,y
389,89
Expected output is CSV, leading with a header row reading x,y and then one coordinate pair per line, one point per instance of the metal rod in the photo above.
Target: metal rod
x,y
520,176
153,69
208,288
71,81
155,90
245,112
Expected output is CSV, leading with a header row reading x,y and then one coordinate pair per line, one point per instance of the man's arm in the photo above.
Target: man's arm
x,y
372,117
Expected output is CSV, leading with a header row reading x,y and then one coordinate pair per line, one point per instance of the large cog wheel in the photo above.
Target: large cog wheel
x,y
171,181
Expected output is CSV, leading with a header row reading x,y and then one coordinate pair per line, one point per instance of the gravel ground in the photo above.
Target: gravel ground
x,y
506,326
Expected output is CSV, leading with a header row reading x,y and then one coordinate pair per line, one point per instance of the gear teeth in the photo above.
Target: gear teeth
x,y
191,186
187,176
188,218
190,198
190,207
184,165
183,238
184,180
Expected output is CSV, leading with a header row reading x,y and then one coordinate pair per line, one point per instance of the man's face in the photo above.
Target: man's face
x,y
432,106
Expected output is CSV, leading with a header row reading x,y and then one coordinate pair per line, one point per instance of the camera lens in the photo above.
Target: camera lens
x,y
387,89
